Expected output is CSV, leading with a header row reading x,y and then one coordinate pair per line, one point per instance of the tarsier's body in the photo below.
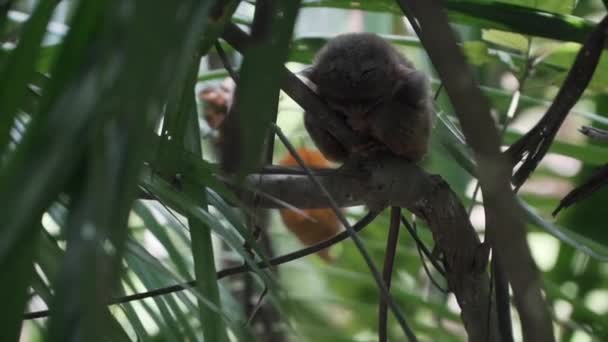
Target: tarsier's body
x,y
376,91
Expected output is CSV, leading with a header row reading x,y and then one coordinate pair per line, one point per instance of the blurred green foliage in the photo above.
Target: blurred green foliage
x,y
98,111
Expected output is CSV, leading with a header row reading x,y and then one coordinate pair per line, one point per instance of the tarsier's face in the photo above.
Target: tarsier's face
x,y
354,81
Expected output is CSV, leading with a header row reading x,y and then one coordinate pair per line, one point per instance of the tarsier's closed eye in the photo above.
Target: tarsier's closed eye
x,y
377,102
338,107
366,73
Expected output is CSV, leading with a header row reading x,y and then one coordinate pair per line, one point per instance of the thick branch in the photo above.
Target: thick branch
x,y
505,226
387,180
379,181
387,271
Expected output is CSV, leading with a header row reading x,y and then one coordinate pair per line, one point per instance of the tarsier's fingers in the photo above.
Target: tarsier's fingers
x,y
404,142
412,87
327,144
370,147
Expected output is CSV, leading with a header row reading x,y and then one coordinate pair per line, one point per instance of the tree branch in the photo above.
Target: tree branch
x,y
387,271
600,135
505,226
532,147
379,181
383,180
591,185
382,284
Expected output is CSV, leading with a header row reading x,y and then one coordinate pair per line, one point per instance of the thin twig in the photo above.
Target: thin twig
x,y
489,310
532,147
407,11
591,185
438,92
369,217
387,272
422,246
596,134
473,199
503,307
428,272
226,62
422,252
258,305
294,170
356,239
153,196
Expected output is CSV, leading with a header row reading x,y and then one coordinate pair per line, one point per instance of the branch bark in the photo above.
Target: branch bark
x,y
505,225
385,180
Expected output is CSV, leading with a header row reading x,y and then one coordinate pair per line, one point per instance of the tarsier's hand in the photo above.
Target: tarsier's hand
x,y
378,94
403,123
331,148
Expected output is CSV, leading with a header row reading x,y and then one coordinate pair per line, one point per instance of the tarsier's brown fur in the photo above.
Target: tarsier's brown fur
x,y
376,91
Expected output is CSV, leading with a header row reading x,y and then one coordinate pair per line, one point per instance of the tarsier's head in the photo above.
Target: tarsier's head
x,y
354,72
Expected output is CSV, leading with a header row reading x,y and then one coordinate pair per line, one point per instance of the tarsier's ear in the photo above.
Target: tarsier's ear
x,y
412,86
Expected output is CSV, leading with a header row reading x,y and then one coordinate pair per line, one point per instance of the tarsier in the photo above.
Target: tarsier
x,y
376,91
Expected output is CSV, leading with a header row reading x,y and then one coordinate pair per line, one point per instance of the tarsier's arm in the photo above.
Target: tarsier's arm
x,y
403,123
331,148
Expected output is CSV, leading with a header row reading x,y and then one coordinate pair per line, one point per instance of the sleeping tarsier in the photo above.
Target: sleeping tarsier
x,y
376,91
